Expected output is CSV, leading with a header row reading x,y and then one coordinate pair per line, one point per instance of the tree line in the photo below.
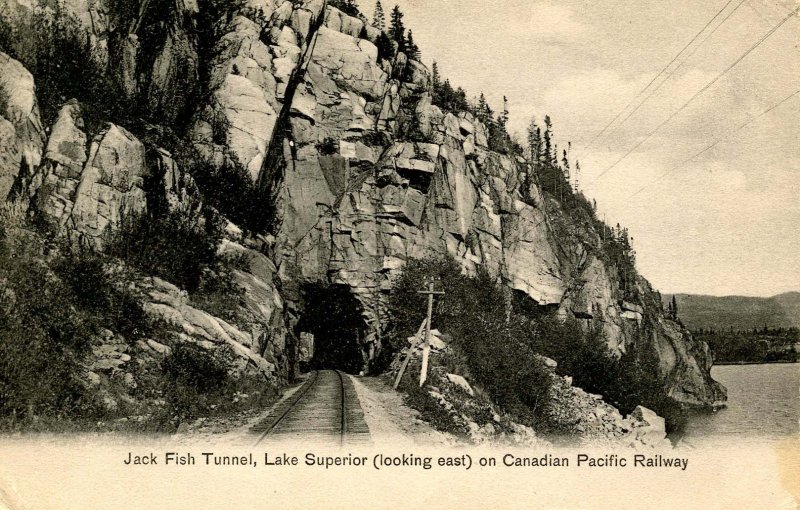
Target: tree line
x,y
759,345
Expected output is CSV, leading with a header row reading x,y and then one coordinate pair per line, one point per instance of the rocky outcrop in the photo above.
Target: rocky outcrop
x,y
266,310
190,324
21,134
117,366
590,418
254,61
583,417
87,183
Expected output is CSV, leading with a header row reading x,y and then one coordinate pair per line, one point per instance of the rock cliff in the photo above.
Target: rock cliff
x,y
363,171
21,133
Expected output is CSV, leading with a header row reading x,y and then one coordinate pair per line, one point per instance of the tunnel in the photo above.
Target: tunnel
x,y
334,317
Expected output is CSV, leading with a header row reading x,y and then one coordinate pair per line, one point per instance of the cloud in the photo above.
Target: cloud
x,y
553,21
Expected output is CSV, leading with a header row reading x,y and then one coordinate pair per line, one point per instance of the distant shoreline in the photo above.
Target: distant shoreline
x,y
721,363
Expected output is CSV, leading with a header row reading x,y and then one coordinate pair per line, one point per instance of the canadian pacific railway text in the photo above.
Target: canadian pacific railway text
x,y
389,461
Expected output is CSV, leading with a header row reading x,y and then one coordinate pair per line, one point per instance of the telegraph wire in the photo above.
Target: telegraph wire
x,y
697,94
694,50
598,135
718,141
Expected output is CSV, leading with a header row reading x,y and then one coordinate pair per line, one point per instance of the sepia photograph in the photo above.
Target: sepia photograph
x,y
387,254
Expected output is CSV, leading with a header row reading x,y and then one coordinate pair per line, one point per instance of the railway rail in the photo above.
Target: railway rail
x,y
325,409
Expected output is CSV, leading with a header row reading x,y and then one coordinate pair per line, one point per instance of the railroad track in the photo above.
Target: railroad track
x,y
324,409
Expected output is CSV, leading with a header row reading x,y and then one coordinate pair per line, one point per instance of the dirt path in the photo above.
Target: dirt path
x,y
390,421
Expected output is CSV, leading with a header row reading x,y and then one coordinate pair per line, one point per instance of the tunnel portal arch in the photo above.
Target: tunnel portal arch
x,y
335,317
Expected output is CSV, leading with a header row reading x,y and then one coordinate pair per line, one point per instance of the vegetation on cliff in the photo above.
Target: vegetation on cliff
x,y
58,302
53,46
487,347
497,342
52,302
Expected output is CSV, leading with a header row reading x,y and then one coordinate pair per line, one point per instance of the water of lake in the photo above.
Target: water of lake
x,y
763,403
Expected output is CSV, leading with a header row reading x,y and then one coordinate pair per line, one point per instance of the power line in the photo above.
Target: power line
x,y
719,140
697,94
694,50
598,135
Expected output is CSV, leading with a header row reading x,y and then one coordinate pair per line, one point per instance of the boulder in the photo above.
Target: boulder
x,y
461,383
341,22
21,134
649,429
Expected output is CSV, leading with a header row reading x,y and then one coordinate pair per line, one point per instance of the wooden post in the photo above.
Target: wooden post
x,y
409,352
423,376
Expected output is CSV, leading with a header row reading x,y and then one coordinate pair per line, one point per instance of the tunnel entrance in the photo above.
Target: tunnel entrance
x,y
333,315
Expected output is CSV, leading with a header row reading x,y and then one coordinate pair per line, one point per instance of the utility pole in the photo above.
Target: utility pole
x,y
423,376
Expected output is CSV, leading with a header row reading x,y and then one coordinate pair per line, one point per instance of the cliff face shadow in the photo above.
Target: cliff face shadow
x,y
334,316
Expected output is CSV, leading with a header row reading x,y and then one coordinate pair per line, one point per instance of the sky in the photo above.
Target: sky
x,y
725,222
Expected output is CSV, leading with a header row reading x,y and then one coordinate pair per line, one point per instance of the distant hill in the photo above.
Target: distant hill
x,y
790,302
739,312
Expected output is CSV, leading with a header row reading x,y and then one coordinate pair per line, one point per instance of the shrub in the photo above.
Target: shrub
x,y
497,346
376,139
55,48
103,293
328,147
626,382
197,383
473,313
3,101
43,341
179,245
428,406
232,192
218,292
192,377
44,334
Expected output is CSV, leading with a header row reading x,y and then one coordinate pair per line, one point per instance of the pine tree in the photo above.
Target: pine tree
x,y
397,30
674,308
503,118
482,111
549,155
385,47
379,18
412,50
460,102
436,78
554,163
534,141
539,146
548,149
